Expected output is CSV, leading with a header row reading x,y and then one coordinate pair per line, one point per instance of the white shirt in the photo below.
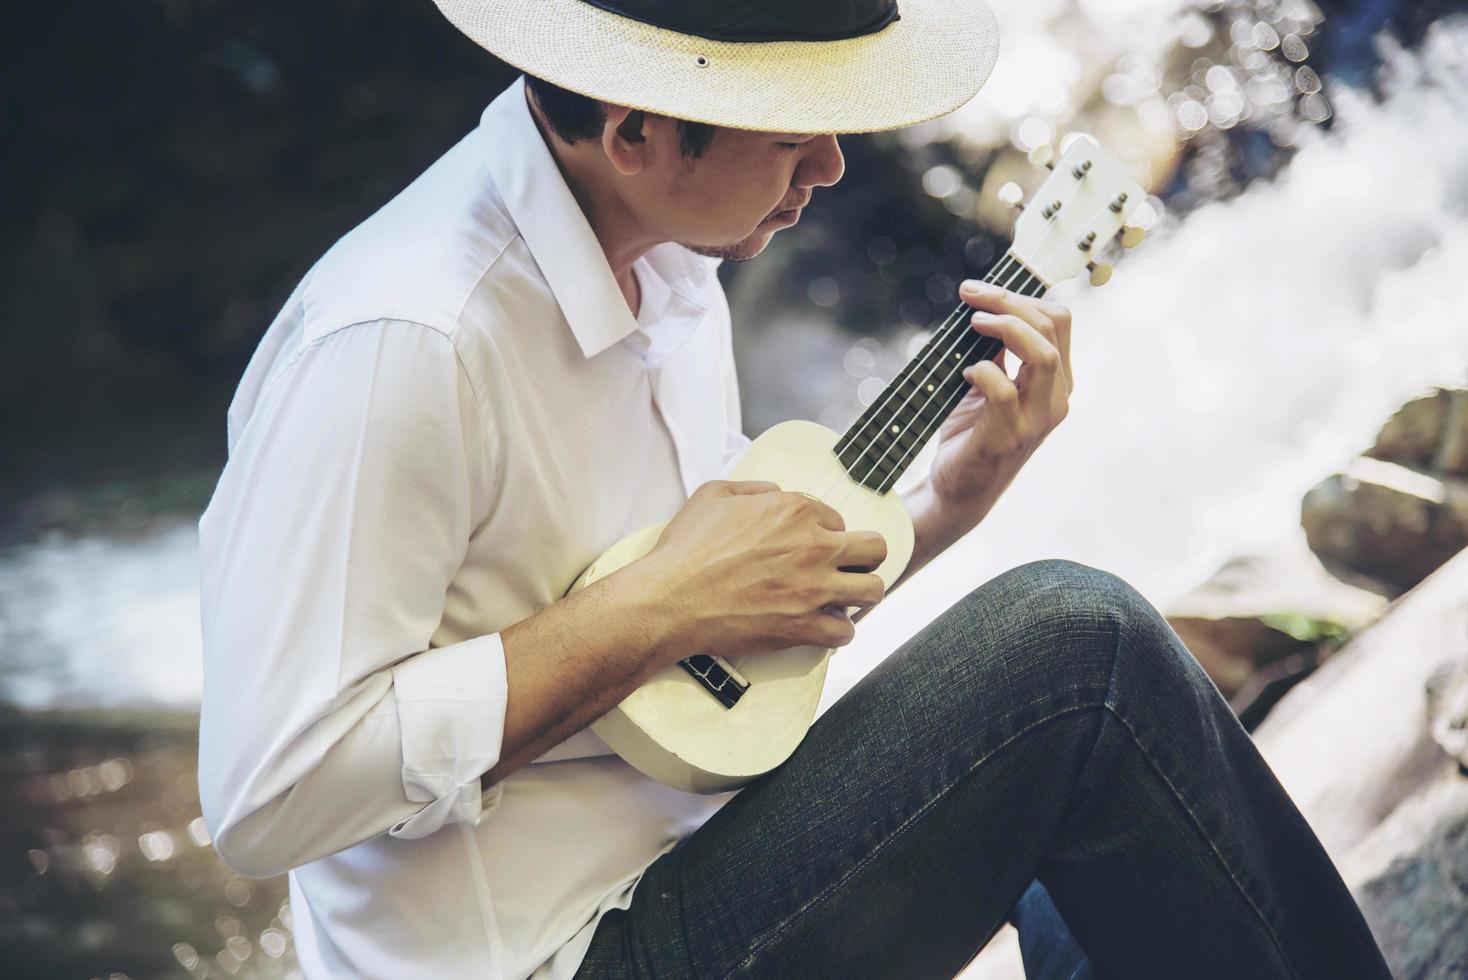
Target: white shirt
x,y
454,414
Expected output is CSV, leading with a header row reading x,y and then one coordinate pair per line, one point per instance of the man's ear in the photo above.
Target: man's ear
x,y
623,139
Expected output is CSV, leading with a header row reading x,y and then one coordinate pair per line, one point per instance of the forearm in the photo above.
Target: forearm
x,y
578,658
575,660
934,528
564,667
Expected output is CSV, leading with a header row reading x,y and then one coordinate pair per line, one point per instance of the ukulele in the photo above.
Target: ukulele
x,y
710,724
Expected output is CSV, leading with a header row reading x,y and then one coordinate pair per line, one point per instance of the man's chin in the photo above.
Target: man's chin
x,y
740,251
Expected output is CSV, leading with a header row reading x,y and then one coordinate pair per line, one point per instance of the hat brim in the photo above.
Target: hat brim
x,y
930,61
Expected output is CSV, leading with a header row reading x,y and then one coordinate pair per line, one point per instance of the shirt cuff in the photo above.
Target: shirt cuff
x,y
451,712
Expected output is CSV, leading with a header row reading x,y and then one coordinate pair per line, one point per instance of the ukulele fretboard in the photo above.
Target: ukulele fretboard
x,y
893,429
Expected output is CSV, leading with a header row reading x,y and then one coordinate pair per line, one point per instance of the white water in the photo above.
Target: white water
x,y
102,622
1240,357
1234,361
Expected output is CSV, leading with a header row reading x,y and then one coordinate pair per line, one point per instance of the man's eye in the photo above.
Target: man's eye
x,y
792,146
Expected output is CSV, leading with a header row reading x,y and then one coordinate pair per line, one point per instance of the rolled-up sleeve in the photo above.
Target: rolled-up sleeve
x,y
327,554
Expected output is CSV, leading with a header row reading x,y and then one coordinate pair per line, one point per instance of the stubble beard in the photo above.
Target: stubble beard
x,y
741,251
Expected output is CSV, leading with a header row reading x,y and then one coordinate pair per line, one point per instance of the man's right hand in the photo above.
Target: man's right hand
x,y
746,567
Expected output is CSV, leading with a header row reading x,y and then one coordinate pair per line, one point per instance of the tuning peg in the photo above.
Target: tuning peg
x,y
1013,195
1042,156
1100,272
1132,235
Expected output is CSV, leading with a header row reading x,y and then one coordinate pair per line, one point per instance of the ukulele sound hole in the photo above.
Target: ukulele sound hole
x,y
718,677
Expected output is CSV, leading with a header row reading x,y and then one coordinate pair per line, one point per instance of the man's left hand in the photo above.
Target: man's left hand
x,y
1001,421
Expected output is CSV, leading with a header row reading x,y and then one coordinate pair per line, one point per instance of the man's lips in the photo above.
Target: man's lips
x,y
785,217
785,212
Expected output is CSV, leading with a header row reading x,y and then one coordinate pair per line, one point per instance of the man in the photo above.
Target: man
x,y
526,355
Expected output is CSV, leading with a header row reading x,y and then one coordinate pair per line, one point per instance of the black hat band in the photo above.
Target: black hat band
x,y
759,20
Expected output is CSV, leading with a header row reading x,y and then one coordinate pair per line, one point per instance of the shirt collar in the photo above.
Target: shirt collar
x,y
561,239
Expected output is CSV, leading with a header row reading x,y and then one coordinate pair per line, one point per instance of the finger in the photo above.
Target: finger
x,y
992,297
831,628
1051,319
1001,397
862,550
1025,341
1060,316
862,589
826,516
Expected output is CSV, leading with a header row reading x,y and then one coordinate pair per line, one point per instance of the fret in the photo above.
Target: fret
x,y
892,430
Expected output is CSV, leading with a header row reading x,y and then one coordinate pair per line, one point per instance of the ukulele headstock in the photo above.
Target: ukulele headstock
x,y
1084,202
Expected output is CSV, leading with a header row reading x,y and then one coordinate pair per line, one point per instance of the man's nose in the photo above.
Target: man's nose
x,y
824,164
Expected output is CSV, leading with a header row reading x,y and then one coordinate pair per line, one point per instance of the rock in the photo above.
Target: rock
x,y
1232,648
1430,432
1386,520
1354,747
1260,609
1413,871
1447,711
1264,688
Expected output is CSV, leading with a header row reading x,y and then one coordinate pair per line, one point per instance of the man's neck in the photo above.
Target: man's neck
x,y
622,241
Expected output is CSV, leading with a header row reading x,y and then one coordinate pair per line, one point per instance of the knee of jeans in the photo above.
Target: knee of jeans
x,y
1069,606
1079,598
1070,592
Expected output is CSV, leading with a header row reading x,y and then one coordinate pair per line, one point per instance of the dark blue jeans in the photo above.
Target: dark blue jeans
x,y
1046,752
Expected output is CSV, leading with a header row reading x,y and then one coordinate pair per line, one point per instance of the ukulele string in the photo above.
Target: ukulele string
x,y
978,339
949,322
842,490
954,342
1009,269
931,426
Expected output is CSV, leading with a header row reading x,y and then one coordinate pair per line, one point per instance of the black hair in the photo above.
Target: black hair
x,y
574,116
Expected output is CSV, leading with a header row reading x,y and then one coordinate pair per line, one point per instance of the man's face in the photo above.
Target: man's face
x,y
728,202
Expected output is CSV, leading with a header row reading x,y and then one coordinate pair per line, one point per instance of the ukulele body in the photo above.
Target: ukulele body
x,y
673,728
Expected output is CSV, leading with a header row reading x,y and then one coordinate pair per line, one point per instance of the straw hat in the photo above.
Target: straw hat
x,y
793,66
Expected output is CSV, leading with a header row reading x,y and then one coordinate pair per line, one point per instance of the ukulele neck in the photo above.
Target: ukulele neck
x,y
884,441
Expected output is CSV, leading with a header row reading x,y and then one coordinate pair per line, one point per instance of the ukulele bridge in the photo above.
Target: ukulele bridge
x,y
717,676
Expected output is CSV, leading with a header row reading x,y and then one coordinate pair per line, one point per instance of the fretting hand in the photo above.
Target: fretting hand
x,y
1001,421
